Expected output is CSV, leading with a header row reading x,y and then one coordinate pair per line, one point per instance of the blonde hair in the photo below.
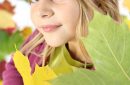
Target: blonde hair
x,y
107,7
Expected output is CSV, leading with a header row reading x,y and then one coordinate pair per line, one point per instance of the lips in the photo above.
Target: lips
x,y
50,28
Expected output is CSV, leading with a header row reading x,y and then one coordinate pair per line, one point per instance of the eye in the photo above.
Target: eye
x,y
32,1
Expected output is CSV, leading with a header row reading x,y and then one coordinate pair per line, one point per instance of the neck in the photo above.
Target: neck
x,y
75,51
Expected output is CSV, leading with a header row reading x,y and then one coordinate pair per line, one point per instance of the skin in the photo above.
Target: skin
x,y
63,12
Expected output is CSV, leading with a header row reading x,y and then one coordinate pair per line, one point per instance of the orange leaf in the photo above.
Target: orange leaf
x,y
6,5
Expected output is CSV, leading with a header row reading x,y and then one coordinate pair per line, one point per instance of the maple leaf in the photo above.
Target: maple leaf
x,y
2,68
26,32
127,4
41,76
6,5
8,22
128,22
0,82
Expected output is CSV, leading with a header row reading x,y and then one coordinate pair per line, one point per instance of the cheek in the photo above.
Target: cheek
x,y
34,16
70,24
34,19
69,18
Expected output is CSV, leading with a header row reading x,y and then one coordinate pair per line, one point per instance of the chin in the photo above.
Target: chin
x,y
55,44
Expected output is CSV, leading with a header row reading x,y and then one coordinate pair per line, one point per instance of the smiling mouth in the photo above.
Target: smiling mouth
x,y
50,28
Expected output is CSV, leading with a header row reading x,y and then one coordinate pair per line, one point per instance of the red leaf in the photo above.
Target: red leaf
x,y
6,5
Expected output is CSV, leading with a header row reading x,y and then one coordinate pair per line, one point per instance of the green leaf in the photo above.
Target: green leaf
x,y
3,39
17,39
7,43
108,44
61,61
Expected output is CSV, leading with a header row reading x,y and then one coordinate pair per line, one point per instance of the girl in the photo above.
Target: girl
x,y
59,23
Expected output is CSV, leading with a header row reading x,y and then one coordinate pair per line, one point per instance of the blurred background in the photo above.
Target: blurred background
x,y
16,26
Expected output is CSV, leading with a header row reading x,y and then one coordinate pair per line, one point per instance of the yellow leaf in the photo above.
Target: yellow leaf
x,y
127,4
8,22
0,82
23,66
26,32
44,71
128,23
41,75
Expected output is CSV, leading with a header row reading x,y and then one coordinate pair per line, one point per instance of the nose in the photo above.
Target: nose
x,y
45,10
46,13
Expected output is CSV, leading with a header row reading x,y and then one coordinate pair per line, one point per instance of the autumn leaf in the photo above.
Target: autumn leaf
x,y
6,5
26,32
127,4
128,23
2,68
8,22
0,82
7,42
41,76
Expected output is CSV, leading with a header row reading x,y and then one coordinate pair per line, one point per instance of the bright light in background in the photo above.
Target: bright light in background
x,y
1,1
22,14
123,10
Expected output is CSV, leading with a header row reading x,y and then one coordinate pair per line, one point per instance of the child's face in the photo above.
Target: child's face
x,y
56,19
